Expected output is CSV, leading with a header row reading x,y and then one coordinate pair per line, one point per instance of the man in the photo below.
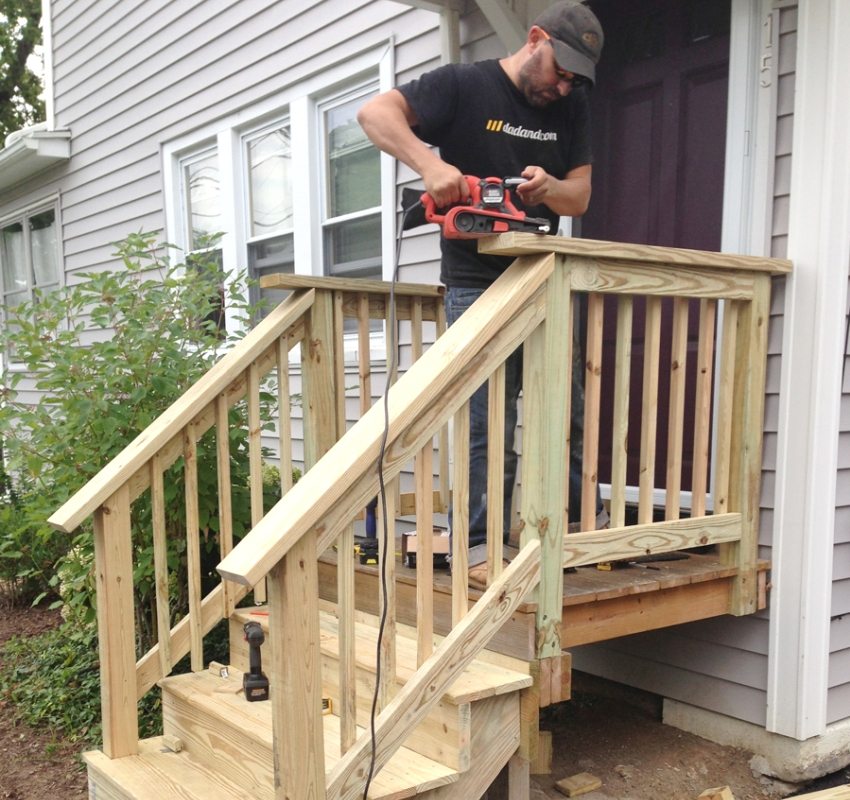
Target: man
x,y
526,115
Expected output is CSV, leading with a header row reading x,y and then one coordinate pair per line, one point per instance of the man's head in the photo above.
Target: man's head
x,y
575,35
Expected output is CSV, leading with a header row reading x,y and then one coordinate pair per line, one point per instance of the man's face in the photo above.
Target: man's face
x,y
541,80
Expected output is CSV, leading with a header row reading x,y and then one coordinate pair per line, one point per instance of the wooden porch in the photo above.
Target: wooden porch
x,y
324,608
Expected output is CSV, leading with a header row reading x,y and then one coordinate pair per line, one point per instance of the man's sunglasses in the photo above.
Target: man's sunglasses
x,y
576,81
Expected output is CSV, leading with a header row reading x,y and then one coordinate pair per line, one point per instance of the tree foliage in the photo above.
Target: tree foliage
x,y
21,103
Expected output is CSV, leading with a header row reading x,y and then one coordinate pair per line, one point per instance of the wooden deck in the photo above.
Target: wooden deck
x,y
598,605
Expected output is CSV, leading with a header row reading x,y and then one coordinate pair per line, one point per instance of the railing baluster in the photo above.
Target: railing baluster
x,y
424,477
193,546
725,400
676,409
649,408
460,514
225,497
255,460
160,558
345,605
702,406
592,404
364,353
284,415
495,472
387,598
443,435
620,437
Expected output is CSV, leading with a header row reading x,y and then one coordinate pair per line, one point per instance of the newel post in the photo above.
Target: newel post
x,y
293,589
547,361
747,437
113,550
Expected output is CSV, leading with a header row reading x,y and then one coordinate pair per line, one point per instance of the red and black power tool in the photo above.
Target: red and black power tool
x,y
486,211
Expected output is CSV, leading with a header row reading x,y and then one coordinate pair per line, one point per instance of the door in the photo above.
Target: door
x,y
659,110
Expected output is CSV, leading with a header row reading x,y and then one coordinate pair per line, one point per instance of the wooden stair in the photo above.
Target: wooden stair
x,y
218,745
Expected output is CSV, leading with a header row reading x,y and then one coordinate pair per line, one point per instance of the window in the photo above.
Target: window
x,y
29,256
268,168
292,183
352,213
202,198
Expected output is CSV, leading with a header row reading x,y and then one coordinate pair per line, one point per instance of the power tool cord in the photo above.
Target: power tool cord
x,y
392,347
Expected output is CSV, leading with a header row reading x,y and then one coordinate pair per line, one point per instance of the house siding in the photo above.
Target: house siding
x,y
721,664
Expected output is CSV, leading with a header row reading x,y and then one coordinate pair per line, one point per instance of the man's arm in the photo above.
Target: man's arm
x,y
567,197
388,120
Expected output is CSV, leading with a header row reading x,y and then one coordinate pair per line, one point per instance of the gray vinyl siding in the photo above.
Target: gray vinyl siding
x,y
721,664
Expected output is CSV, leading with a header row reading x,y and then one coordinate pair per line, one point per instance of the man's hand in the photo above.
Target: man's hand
x,y
568,196
536,187
445,183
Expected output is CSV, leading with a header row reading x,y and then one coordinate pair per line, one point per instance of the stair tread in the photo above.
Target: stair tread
x,y
480,679
158,772
405,775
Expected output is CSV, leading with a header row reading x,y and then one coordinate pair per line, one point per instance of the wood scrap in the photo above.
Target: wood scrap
x,y
718,793
578,784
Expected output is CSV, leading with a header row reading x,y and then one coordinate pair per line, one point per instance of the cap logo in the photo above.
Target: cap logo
x,y
590,39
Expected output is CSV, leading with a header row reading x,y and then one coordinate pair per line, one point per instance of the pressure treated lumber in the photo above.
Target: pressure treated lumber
x,y
516,244
718,793
136,455
456,651
449,372
578,784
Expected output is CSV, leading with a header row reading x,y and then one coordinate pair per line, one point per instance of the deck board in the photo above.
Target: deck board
x,y
598,605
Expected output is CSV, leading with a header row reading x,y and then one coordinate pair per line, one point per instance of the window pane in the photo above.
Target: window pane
x,y
203,189
43,242
354,247
353,162
269,163
13,258
267,258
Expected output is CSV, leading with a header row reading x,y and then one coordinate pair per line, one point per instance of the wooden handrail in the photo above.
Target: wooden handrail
x,y
517,244
426,396
136,454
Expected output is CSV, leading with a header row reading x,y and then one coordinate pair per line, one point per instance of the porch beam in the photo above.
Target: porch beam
x,y
508,26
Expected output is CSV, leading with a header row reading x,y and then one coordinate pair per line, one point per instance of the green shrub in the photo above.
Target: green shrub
x,y
107,355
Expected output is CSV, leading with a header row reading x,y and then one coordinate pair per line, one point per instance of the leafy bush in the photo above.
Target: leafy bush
x,y
53,680
103,358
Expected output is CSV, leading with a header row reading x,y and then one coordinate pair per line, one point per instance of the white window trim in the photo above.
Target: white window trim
x,y
299,103
36,207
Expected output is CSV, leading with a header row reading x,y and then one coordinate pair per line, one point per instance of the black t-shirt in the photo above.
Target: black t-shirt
x,y
483,126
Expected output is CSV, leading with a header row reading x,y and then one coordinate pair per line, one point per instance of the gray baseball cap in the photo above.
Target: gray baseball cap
x,y
576,36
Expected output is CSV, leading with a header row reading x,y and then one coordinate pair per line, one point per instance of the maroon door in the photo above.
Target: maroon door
x,y
659,136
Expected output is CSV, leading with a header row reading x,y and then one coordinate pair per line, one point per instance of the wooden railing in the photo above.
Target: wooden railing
x,y
531,305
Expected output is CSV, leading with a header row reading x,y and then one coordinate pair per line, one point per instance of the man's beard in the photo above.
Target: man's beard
x,y
538,92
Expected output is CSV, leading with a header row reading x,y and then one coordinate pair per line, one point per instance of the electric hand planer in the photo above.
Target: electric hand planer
x,y
488,210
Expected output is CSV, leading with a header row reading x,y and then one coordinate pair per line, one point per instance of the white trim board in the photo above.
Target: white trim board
x,y
810,387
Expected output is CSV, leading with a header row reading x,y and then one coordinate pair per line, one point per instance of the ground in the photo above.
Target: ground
x,y
617,738
35,766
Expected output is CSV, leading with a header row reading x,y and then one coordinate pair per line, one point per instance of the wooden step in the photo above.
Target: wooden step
x,y
444,735
157,773
218,727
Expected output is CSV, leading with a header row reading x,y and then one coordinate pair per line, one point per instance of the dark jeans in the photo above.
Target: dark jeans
x,y
457,301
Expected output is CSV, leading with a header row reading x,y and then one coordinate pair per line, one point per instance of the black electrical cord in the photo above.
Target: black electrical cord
x,y
391,367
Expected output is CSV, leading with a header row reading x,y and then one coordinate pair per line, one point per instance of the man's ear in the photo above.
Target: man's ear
x,y
536,38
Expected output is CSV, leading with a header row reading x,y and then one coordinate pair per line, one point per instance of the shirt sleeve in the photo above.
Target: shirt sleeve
x,y
580,151
433,99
